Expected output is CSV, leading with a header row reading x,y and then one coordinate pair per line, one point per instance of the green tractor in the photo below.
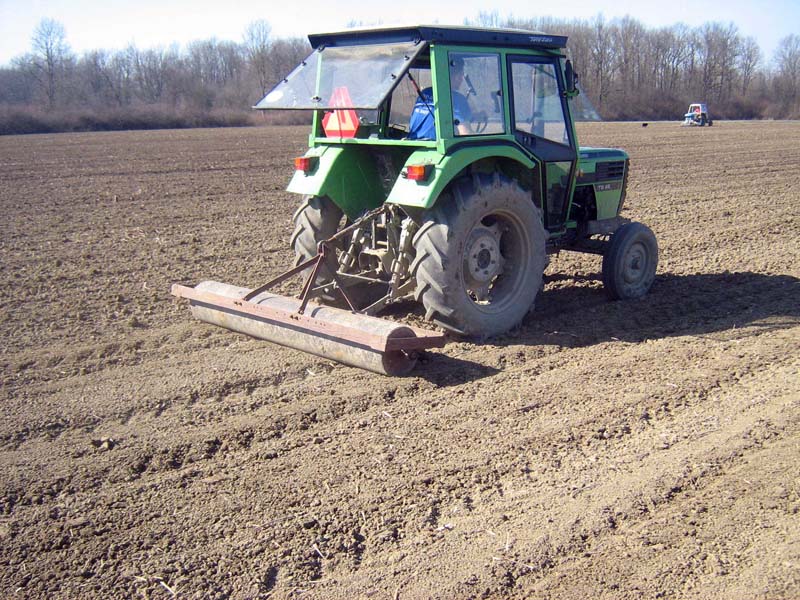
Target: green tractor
x,y
443,167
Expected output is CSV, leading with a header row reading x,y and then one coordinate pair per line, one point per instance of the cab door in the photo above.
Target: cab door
x,y
542,125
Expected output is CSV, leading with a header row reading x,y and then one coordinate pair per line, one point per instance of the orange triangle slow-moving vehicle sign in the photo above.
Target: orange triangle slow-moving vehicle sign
x,y
340,123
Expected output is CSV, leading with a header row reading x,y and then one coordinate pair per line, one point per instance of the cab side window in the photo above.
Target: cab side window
x,y
412,111
538,107
476,93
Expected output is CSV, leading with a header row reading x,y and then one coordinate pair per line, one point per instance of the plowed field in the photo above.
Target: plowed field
x,y
643,449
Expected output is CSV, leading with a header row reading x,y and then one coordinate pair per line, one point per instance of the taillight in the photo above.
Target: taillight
x,y
304,163
418,172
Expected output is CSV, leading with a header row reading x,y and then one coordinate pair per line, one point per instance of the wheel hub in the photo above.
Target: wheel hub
x,y
483,261
484,258
634,264
483,254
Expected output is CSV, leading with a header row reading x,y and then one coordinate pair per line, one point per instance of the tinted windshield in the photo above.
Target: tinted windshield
x,y
343,77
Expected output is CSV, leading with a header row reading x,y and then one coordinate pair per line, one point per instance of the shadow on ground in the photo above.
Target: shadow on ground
x,y
574,316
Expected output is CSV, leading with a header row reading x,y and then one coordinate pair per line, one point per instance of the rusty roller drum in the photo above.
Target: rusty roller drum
x,y
354,339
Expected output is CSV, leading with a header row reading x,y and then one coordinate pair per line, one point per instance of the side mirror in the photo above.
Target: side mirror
x,y
571,77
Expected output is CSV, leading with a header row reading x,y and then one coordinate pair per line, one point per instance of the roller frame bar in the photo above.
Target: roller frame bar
x,y
423,338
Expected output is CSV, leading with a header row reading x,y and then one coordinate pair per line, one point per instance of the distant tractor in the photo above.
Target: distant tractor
x,y
443,168
697,115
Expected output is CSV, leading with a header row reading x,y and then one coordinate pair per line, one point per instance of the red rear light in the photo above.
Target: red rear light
x,y
418,172
304,163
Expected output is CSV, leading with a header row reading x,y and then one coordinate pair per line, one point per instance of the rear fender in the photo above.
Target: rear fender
x,y
345,175
444,169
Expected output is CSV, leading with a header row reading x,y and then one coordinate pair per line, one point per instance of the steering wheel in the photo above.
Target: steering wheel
x,y
479,121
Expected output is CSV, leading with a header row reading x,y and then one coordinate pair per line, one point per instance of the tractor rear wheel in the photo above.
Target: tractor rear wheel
x,y
629,263
316,219
480,256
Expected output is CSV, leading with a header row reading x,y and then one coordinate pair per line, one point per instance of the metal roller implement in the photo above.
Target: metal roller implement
x,y
354,339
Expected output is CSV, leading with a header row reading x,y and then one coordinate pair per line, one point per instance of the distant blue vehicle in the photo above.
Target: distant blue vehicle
x,y
697,115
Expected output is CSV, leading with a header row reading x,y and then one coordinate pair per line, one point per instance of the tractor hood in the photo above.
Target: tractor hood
x,y
586,153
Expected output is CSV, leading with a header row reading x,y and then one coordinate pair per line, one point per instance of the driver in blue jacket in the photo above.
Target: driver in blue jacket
x,y
421,125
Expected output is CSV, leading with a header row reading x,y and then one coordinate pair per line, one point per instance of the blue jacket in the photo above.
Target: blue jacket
x,y
421,125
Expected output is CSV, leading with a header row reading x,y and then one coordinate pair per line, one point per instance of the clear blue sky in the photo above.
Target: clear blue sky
x,y
113,24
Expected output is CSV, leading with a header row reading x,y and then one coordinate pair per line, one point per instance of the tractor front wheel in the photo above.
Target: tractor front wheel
x,y
629,263
480,256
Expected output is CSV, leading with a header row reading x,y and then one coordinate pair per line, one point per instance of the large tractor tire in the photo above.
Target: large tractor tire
x,y
316,219
480,256
629,263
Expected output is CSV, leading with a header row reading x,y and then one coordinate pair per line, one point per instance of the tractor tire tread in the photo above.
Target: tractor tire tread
x,y
316,219
612,261
436,237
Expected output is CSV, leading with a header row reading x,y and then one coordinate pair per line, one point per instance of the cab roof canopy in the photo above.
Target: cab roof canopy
x,y
477,36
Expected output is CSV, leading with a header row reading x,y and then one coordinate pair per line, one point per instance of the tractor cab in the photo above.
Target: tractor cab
x,y
369,85
446,100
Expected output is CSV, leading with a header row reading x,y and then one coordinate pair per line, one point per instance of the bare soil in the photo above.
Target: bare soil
x,y
643,449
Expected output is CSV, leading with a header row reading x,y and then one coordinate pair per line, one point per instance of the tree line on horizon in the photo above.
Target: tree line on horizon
x,y
631,72
628,72
206,83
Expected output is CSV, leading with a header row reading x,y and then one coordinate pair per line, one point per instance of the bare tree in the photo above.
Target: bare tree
x,y
49,55
718,52
93,69
787,61
487,18
628,39
286,54
151,71
257,44
107,78
749,58
677,52
787,64
231,62
601,49
15,87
